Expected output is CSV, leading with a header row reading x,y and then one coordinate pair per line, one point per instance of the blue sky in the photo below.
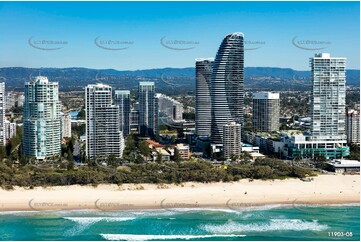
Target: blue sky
x,y
269,26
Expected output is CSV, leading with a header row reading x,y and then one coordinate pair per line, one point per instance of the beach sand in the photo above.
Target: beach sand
x,y
324,189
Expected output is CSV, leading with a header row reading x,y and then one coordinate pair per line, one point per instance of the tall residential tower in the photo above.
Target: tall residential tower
x,y
148,109
122,100
103,135
353,126
42,121
328,98
227,94
266,111
231,140
2,113
203,120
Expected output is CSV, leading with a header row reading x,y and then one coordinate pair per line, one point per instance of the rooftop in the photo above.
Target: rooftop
x,y
344,163
146,83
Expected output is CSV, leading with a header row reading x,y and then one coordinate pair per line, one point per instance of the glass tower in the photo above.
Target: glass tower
x,y
227,91
204,69
122,100
148,109
42,121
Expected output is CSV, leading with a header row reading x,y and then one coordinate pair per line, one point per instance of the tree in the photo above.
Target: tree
x,y
354,152
177,158
112,160
144,148
159,157
2,152
81,114
69,156
70,165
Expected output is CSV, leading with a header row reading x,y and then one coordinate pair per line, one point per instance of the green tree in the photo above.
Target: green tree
x,y
144,148
159,157
70,165
177,158
81,114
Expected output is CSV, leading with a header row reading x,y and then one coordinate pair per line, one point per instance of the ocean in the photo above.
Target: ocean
x,y
341,222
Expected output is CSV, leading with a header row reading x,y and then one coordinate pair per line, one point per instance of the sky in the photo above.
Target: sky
x,y
145,34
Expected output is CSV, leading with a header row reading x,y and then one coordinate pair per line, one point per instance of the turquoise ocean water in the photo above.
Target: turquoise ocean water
x,y
341,222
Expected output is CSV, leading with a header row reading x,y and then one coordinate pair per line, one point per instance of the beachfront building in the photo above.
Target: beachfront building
x,y
266,111
122,100
148,109
231,140
344,166
227,88
2,113
65,125
204,67
41,119
353,126
328,130
103,134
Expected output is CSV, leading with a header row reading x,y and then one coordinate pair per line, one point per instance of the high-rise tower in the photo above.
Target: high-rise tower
x,y
227,92
328,98
266,111
42,121
148,110
103,135
122,100
204,69
2,113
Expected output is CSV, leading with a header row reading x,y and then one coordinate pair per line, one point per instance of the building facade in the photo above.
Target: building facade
x,y
328,128
231,140
2,113
122,100
148,110
328,97
65,125
10,130
266,111
353,127
169,107
41,119
203,118
103,135
227,85
14,99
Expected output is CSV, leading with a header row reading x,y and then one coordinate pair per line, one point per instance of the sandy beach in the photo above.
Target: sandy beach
x,y
324,189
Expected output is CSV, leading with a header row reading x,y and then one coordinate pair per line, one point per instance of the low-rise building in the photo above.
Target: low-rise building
x,y
183,151
293,144
255,156
164,153
344,166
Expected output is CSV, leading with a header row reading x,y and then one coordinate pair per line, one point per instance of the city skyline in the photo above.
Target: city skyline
x,y
282,44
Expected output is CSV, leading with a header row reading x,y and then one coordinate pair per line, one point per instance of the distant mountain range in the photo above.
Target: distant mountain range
x,y
176,79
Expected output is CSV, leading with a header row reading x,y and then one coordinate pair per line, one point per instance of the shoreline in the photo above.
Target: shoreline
x,y
237,196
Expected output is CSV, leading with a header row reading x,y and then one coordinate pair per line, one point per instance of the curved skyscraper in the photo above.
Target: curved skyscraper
x,y
227,90
204,69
